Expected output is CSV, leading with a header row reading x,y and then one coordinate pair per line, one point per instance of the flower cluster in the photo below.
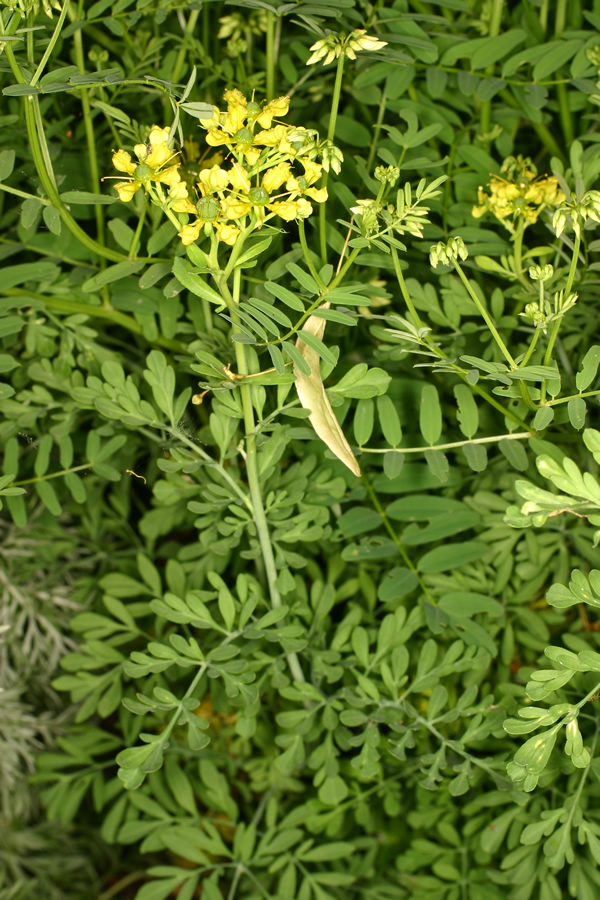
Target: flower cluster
x,y
522,195
154,165
334,46
260,182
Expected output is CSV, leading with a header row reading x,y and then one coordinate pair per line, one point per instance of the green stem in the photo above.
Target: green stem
x,y
260,518
180,61
94,312
403,289
485,113
48,51
558,322
377,130
485,315
572,397
136,237
335,103
60,474
9,190
428,342
560,18
311,266
532,345
270,55
518,248
89,135
390,530
548,140
116,889
514,436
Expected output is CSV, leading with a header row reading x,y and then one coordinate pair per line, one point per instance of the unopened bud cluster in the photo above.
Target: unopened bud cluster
x,y
387,174
541,273
545,312
447,253
333,46
577,212
24,7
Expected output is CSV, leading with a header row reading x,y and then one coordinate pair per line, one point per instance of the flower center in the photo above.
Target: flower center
x,y
143,173
253,107
302,183
243,137
208,209
258,196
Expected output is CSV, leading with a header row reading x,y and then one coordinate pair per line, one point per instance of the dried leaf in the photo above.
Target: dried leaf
x,y
313,397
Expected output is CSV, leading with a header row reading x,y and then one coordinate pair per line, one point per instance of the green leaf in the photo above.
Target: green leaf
x,y
495,48
577,408
515,453
86,198
363,421
437,464
183,272
285,296
445,559
430,414
543,417
296,357
397,583
7,163
327,852
589,368
558,53
47,495
389,420
112,274
468,414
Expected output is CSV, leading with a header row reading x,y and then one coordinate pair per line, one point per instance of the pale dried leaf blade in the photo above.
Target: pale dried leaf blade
x,y
313,397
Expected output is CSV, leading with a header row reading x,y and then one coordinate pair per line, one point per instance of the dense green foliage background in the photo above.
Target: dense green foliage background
x,y
175,722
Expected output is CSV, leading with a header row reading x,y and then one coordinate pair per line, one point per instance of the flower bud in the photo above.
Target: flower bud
x,y
328,49
360,40
387,174
332,157
559,221
541,273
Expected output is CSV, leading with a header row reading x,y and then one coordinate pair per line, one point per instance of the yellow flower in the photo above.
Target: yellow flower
x,y
122,162
178,199
239,178
189,234
302,185
227,233
237,209
213,179
126,190
272,137
152,159
276,176
273,109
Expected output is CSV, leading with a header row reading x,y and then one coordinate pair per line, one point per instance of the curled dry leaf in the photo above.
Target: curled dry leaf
x,y
313,397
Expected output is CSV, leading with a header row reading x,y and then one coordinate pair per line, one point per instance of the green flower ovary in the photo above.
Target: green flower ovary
x,y
208,209
143,173
258,196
